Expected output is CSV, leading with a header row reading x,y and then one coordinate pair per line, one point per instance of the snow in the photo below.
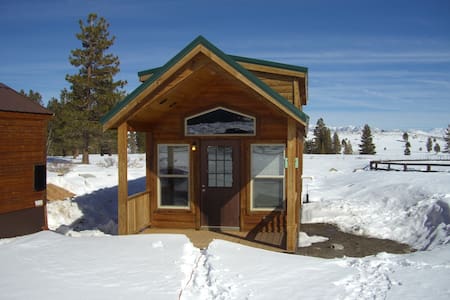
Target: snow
x,y
304,240
81,259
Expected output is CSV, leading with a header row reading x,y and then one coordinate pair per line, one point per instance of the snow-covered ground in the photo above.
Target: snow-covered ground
x,y
410,207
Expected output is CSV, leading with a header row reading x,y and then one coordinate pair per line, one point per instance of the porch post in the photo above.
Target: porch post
x,y
122,197
291,186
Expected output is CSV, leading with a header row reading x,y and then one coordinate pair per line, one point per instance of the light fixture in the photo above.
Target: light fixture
x,y
194,146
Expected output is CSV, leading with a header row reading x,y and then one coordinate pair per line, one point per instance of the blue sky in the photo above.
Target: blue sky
x,y
384,63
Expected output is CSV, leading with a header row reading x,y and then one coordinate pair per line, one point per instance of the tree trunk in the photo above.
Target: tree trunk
x,y
85,158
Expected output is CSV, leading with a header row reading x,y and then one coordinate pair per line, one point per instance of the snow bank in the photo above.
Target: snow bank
x,y
168,267
233,271
110,267
409,207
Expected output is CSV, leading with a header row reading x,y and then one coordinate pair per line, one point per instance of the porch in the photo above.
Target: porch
x,y
272,241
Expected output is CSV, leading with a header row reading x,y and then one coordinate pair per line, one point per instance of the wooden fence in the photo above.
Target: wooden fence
x,y
410,165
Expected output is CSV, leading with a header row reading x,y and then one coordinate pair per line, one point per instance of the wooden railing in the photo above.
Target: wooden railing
x,y
138,209
405,165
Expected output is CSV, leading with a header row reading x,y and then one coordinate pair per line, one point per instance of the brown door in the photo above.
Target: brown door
x,y
220,184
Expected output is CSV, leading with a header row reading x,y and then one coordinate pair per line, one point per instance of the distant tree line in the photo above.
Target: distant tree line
x,y
323,143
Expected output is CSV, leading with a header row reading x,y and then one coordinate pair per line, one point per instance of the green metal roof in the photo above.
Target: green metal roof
x,y
244,60
230,60
269,63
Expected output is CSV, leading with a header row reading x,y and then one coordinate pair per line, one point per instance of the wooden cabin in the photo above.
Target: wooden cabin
x,y
224,144
23,157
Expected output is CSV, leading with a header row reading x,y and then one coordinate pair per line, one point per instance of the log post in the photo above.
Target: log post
x,y
291,197
122,197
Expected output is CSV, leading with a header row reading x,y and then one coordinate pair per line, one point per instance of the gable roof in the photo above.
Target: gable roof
x,y
119,112
12,101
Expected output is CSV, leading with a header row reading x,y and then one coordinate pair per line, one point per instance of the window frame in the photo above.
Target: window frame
x,y
186,133
252,180
159,176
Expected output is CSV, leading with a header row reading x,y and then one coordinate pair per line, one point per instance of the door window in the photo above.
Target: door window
x,y
220,166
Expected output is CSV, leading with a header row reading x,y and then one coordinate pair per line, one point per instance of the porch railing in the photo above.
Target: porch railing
x,y
138,210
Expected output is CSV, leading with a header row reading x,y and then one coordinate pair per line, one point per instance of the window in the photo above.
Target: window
x,y
220,121
40,178
173,175
267,177
220,166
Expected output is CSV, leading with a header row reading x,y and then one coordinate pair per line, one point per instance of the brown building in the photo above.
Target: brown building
x,y
23,139
224,144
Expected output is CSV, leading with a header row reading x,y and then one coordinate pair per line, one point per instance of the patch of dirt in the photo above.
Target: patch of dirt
x,y
342,244
55,192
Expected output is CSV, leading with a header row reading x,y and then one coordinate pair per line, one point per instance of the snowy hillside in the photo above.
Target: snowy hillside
x,y
409,207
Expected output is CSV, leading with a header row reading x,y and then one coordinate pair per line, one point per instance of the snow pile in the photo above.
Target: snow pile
x,y
108,267
169,267
304,240
95,207
409,207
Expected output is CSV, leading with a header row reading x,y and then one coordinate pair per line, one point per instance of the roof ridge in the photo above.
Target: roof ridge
x,y
269,63
200,40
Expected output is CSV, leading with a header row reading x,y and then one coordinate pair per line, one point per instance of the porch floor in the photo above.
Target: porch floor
x,y
273,241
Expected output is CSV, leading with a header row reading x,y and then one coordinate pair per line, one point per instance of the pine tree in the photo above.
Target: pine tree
x,y
93,90
336,144
347,145
405,136
36,97
322,139
429,144
348,149
407,148
308,146
366,146
437,148
447,140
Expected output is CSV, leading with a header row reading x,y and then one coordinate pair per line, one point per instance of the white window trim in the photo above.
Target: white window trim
x,y
225,135
188,206
252,208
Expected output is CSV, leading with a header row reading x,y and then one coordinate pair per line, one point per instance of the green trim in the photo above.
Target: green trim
x,y
149,71
269,63
245,60
228,59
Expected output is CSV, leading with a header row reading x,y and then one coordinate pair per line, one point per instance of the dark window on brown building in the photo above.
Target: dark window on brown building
x,y
40,178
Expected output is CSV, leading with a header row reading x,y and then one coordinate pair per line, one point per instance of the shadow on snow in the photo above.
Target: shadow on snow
x,y
99,209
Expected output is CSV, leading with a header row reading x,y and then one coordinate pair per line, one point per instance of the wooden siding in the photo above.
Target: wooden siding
x,y
138,212
281,84
22,146
207,91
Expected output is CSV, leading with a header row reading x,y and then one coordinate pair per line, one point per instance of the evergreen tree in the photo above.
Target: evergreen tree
x,y
93,90
308,146
322,139
366,146
140,141
34,96
336,144
347,145
447,140
429,144
55,139
405,136
348,149
437,148
407,148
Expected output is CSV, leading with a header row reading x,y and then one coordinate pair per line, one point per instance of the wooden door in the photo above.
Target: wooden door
x,y
220,184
